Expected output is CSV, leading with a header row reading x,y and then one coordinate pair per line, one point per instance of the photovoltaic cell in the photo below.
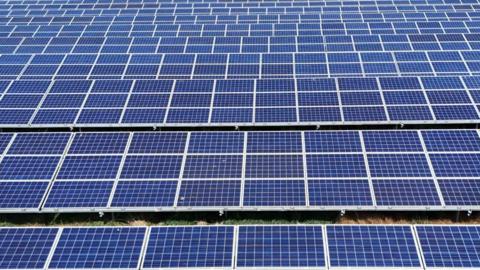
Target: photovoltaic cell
x,y
345,141
405,192
25,248
460,191
392,141
274,166
280,246
151,167
102,247
339,192
274,142
274,192
28,167
26,194
89,167
4,141
210,193
38,143
338,165
451,140
398,165
144,194
360,246
99,143
216,142
158,143
456,165
450,246
77,194
198,246
221,166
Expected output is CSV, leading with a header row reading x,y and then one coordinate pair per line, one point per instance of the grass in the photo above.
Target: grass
x,y
235,218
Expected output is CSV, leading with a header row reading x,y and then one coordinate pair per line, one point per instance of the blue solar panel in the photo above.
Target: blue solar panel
x,y
200,246
405,192
451,140
4,141
77,194
280,246
105,247
274,166
274,193
338,165
220,166
457,192
274,142
151,167
28,167
25,248
144,194
99,143
372,246
339,192
456,165
398,165
392,141
346,141
89,167
210,193
26,194
37,143
450,246
158,143
216,142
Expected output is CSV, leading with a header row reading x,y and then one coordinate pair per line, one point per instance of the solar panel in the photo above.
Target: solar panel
x,y
450,246
456,164
451,140
102,247
25,248
78,194
274,166
210,193
280,246
405,192
457,192
218,166
158,143
28,167
345,141
392,141
99,143
398,165
274,142
89,167
144,194
22,195
342,192
372,246
274,193
336,165
196,246
151,167
216,142
220,170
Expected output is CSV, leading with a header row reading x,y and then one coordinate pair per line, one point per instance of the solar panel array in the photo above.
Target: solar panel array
x,y
186,171
96,63
246,102
237,247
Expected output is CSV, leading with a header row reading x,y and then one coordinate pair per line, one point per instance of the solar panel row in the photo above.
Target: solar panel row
x,y
233,247
339,101
170,171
